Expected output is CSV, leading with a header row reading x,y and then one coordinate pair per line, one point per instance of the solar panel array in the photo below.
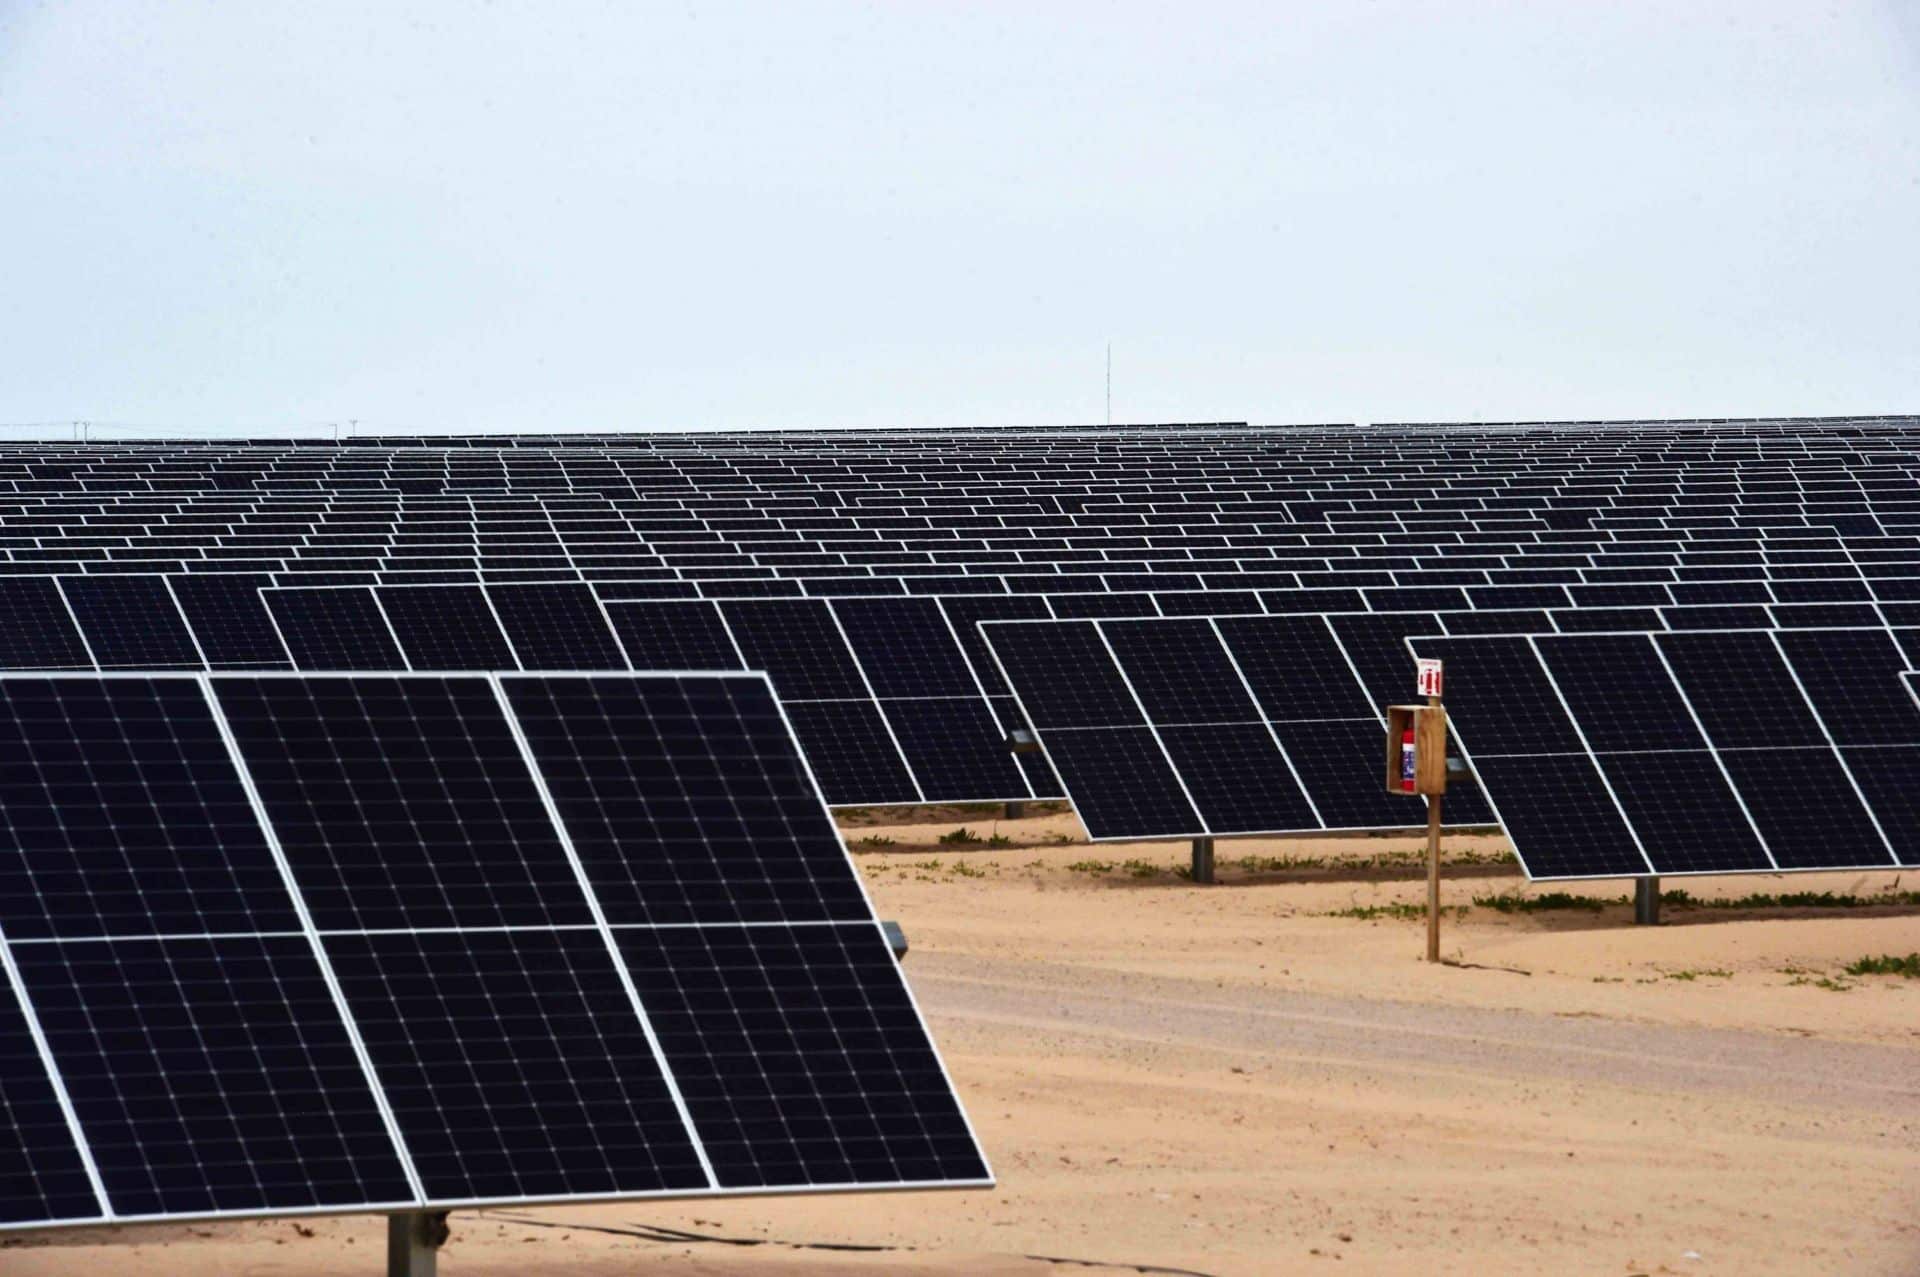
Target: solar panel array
x,y
858,569
1694,753
277,944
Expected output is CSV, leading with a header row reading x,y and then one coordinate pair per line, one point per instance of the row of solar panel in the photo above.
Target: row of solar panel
x,y
894,699
277,943
1708,752
1595,762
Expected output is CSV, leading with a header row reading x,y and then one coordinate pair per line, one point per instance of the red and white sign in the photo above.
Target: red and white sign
x,y
1428,678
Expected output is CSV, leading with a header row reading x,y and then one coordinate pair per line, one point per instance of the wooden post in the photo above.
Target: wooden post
x,y
1433,857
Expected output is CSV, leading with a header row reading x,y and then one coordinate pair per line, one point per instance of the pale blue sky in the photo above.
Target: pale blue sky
x,y
572,216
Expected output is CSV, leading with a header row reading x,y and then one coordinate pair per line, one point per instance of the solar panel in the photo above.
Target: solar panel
x,y
1707,752
386,942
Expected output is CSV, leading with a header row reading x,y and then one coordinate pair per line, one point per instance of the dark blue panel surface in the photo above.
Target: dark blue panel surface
x,y
212,1075
334,629
402,802
1560,817
36,630
1065,675
1180,672
229,620
446,627
686,799
556,627
131,622
1121,783
674,636
799,646
852,756
121,813
800,1055
514,1063
905,647
1238,778
41,1175
956,749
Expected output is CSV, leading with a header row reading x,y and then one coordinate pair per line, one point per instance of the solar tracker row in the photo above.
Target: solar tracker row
x,y
287,943
1688,753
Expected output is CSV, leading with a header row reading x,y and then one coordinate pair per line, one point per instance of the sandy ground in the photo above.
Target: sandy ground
x,y
1244,1079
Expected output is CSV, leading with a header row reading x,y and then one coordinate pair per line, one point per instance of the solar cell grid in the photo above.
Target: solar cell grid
x,y
401,802
333,629
463,1058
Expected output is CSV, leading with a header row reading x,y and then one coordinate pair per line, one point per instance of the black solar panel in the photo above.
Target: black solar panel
x,y
446,627
131,622
333,629
383,942
1712,751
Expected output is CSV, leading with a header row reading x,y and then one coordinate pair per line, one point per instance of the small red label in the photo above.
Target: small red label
x,y
1428,678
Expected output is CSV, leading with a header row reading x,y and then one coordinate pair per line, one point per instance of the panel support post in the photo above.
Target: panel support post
x,y
1203,860
1646,902
414,1239
1433,878
1015,810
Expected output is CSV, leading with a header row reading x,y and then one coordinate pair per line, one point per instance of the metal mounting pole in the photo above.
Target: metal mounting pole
x,y
1203,860
1433,860
1646,902
1433,878
1015,810
414,1239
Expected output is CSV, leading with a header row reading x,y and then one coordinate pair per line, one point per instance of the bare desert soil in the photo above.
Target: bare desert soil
x,y
1261,1077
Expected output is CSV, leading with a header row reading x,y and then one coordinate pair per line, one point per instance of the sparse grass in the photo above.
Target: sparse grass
x,y
1398,910
875,840
961,837
1887,964
1795,900
1514,902
966,870
1692,975
1277,864
1369,913
999,840
1094,867
1143,869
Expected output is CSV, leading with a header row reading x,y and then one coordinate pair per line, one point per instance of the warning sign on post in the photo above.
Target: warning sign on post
x,y
1427,680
